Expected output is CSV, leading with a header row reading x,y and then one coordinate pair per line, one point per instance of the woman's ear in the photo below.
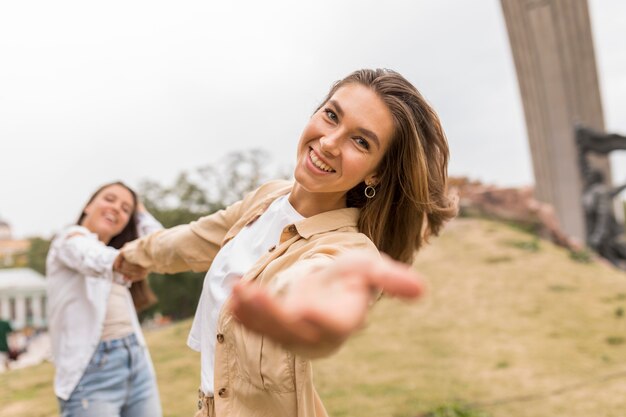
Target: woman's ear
x,y
371,179
87,209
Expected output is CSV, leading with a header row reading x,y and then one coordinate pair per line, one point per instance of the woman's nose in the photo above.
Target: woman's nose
x,y
330,145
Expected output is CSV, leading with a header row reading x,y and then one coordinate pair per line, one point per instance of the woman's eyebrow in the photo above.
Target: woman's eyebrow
x,y
366,132
337,107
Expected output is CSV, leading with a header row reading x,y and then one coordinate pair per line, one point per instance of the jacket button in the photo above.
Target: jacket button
x,y
272,248
220,338
222,392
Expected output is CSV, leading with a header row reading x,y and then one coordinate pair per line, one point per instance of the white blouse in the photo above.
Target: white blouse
x,y
79,276
231,262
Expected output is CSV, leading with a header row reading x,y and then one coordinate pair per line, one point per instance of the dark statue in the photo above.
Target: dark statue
x,y
604,234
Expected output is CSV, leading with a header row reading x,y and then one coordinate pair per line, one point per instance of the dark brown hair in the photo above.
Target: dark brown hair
x,y
143,297
411,201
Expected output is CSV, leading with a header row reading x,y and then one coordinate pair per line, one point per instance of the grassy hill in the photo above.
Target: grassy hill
x,y
511,326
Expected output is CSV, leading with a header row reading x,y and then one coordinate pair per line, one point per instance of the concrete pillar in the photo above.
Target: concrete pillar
x,y
4,308
554,57
20,311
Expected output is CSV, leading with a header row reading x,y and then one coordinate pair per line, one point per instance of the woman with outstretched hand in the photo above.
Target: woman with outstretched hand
x,y
294,266
103,368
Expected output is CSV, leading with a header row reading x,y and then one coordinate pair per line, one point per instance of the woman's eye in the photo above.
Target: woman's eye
x,y
330,114
362,142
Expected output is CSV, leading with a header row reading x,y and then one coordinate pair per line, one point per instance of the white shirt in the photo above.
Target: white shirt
x,y
79,278
230,263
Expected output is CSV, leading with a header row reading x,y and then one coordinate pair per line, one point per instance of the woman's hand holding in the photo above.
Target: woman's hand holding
x,y
132,272
327,306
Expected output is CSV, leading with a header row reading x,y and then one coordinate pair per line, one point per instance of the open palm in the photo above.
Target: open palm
x,y
325,307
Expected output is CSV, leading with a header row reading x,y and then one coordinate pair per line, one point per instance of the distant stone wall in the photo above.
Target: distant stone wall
x,y
517,205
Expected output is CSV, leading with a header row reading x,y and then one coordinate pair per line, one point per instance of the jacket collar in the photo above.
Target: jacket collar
x,y
320,223
310,226
328,221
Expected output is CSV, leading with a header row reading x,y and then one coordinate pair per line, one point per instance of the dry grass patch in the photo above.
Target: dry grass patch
x,y
535,329
510,324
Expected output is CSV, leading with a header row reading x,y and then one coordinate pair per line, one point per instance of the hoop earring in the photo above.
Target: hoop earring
x,y
370,192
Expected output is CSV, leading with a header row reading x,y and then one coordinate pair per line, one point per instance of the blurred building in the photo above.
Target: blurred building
x,y
13,252
23,299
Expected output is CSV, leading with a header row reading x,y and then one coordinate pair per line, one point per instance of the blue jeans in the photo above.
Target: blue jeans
x,y
116,383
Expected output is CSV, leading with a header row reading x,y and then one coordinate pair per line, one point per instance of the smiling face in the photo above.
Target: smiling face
x,y
109,211
343,143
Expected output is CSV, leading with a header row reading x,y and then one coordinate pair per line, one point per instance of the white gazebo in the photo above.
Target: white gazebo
x,y
23,299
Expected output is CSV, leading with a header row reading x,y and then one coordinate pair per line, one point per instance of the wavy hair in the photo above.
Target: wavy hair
x,y
411,201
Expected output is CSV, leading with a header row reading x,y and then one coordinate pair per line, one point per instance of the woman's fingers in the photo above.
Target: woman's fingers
x,y
260,312
325,306
392,277
131,272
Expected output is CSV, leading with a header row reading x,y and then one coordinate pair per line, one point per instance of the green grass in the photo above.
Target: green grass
x,y
509,327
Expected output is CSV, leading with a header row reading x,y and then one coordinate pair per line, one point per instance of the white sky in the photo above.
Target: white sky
x,y
131,90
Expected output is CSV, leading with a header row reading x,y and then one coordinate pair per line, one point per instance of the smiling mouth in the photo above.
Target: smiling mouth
x,y
112,219
318,163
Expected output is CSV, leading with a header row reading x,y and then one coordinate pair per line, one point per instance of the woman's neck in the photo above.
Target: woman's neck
x,y
309,204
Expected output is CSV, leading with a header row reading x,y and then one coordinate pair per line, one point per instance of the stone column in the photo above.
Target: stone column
x,y
20,311
4,308
553,51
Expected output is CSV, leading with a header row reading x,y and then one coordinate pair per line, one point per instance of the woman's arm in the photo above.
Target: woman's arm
x,y
83,253
193,246
186,247
317,312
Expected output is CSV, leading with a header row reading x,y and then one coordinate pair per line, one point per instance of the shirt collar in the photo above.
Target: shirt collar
x,y
320,223
328,221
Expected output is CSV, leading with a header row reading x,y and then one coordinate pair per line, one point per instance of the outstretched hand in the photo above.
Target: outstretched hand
x,y
327,306
132,272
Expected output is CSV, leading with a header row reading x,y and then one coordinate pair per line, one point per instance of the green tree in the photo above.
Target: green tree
x,y
36,256
193,195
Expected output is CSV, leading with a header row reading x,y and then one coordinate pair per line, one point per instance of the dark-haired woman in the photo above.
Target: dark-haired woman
x,y
102,363
370,176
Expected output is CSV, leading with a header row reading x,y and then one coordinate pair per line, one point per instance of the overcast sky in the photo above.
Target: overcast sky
x,y
94,92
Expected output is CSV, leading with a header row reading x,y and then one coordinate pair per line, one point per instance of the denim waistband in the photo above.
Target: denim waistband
x,y
126,341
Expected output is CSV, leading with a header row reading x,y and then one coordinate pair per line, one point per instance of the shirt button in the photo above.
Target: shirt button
x,y
272,248
220,338
222,392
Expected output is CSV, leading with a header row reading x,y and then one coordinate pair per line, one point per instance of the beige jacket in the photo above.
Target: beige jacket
x,y
254,376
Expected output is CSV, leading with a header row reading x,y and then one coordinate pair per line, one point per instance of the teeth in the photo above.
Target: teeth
x,y
318,163
110,217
